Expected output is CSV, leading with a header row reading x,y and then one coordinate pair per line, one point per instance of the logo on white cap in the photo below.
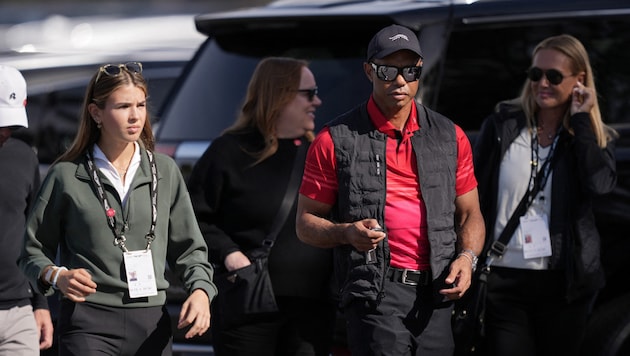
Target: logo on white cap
x,y
12,97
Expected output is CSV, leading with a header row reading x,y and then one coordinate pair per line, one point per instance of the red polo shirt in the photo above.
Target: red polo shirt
x,y
405,211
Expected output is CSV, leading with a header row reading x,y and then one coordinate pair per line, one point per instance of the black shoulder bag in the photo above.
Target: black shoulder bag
x,y
248,291
468,320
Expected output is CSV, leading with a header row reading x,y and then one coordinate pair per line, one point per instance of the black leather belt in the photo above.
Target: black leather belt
x,y
409,276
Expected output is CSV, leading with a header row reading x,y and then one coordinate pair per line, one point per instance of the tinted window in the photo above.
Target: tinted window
x,y
210,97
464,77
484,65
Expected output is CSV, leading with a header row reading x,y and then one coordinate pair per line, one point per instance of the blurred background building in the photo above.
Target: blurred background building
x,y
13,11
50,26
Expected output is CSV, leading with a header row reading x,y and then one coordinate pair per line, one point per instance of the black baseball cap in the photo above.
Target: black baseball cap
x,y
391,39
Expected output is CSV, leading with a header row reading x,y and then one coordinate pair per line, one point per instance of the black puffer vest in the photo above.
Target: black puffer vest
x,y
361,172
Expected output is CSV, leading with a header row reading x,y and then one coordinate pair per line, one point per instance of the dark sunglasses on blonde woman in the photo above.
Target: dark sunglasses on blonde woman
x,y
113,70
553,76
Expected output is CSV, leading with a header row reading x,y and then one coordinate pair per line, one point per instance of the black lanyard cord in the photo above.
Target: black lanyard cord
x,y
119,237
545,170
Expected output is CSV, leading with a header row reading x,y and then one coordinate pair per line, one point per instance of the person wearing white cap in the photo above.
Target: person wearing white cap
x,y
390,186
26,325
12,102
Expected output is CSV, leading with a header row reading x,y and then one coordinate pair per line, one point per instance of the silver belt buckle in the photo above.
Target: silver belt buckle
x,y
404,278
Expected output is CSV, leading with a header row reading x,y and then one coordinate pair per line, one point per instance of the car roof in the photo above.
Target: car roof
x,y
405,12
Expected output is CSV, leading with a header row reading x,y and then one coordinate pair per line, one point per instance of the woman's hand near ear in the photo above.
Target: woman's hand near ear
x,y
582,99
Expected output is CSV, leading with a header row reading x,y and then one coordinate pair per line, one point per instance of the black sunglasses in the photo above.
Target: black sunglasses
x,y
390,73
113,70
553,76
310,93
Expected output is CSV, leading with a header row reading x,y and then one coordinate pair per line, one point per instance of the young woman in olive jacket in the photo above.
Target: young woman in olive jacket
x,y
116,213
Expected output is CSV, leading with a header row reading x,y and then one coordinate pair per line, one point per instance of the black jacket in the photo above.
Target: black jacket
x,y
236,203
19,181
582,170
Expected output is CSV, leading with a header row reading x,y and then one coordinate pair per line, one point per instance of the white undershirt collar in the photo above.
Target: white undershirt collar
x,y
109,171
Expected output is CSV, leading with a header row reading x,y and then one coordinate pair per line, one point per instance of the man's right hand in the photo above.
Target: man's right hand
x,y
360,234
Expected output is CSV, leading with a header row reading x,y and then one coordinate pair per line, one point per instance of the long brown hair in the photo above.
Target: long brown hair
x,y
98,92
272,87
575,51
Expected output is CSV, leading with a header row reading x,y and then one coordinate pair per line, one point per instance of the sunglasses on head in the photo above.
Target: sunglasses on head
x,y
553,75
113,70
390,73
310,93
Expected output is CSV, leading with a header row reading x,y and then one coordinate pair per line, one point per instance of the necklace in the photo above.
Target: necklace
x,y
541,131
121,171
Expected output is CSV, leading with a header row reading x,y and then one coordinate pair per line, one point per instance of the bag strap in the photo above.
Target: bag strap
x,y
498,247
289,197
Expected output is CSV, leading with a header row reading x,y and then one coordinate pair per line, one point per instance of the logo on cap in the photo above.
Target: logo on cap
x,y
391,39
12,97
398,36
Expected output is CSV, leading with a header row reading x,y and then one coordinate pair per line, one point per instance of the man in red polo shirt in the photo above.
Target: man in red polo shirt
x,y
390,185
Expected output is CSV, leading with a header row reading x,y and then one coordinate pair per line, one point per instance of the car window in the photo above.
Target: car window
x,y
485,64
480,66
211,94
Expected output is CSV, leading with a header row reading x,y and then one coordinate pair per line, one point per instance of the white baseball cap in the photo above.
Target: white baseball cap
x,y
12,97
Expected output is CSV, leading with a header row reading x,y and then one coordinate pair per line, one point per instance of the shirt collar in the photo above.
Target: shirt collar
x,y
383,125
101,160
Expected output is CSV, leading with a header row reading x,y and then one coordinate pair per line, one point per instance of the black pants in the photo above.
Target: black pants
x,y
528,315
302,327
406,322
87,329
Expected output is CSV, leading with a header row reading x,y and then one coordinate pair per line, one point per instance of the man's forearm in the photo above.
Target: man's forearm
x,y
320,232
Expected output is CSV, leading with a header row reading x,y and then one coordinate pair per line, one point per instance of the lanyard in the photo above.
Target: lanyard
x,y
545,170
119,237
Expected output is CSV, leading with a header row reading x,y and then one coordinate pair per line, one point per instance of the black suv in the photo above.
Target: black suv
x,y
476,54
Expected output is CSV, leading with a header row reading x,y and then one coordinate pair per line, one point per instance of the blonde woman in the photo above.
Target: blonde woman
x,y
541,290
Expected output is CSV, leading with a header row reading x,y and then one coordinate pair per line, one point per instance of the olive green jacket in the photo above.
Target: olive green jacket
x,y
69,215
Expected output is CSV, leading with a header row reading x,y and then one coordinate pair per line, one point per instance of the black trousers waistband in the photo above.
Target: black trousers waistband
x,y
409,276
